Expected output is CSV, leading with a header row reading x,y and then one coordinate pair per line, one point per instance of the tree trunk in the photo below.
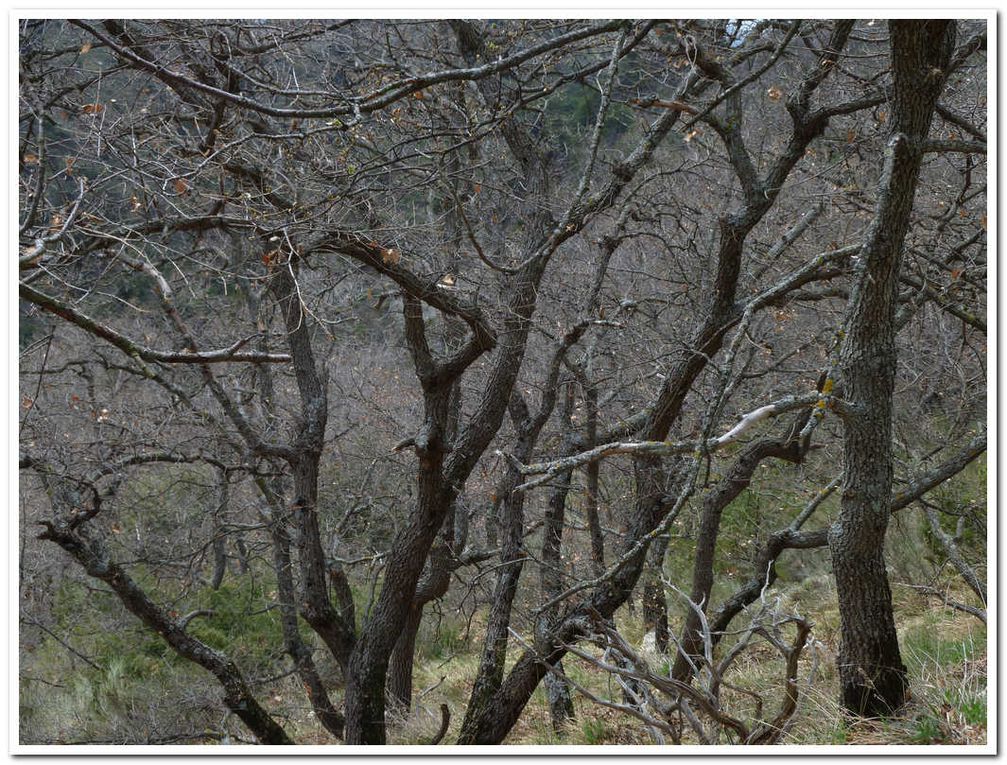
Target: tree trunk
x,y
491,664
557,694
592,476
496,720
219,537
655,604
400,667
296,648
872,675
242,556
365,689
561,709
735,482
443,560
434,585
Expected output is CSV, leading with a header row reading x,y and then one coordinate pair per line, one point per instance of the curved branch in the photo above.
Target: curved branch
x,y
237,695
29,257
792,538
376,100
547,470
948,145
132,348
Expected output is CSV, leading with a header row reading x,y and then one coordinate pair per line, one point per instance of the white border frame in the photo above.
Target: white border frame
x,y
385,9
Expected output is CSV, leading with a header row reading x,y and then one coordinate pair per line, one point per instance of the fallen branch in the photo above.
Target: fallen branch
x,y
979,613
442,731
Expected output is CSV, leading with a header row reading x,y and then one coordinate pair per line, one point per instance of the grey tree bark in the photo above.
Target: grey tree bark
x,y
872,675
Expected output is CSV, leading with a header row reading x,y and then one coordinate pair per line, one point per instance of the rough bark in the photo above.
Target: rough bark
x,y
368,666
433,585
494,655
452,538
872,675
436,492
561,709
592,471
792,538
443,559
400,666
299,652
278,518
316,606
655,604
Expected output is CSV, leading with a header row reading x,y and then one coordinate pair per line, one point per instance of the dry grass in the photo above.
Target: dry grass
x,y
944,650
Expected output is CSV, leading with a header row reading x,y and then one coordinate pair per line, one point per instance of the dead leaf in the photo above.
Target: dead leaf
x,y
391,256
851,135
27,401
85,48
30,159
95,108
774,94
181,185
982,222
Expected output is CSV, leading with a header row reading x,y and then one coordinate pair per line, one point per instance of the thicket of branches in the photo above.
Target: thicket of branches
x,y
389,314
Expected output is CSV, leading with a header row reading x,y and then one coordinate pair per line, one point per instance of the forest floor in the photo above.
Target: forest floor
x,y
133,695
944,651
122,684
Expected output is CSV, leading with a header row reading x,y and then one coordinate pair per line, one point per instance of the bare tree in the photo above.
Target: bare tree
x,y
871,671
338,299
